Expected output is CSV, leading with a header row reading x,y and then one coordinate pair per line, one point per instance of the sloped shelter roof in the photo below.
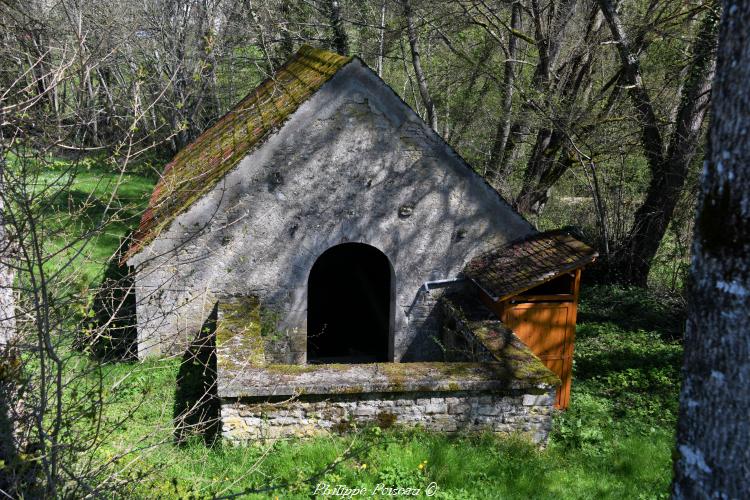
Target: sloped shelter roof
x,y
198,167
522,264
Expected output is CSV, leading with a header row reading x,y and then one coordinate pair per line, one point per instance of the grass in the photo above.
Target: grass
x,y
615,441
84,197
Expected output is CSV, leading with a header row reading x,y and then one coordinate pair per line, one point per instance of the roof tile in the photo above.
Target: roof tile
x,y
522,264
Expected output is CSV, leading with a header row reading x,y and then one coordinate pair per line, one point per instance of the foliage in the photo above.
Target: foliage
x,y
162,73
614,442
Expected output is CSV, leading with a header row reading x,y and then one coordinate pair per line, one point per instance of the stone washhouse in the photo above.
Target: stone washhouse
x,y
353,269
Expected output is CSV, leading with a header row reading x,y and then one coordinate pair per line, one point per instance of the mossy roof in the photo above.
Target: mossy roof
x,y
522,264
198,167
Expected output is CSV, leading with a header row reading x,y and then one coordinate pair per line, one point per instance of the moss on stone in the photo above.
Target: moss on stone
x,y
503,345
285,369
238,332
385,419
197,168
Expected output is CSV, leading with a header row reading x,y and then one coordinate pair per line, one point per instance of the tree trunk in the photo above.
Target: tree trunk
x,y
542,171
669,169
9,359
713,458
424,91
503,127
286,45
340,39
381,42
550,157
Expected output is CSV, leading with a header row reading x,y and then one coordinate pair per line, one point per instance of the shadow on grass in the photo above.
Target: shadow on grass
x,y
114,336
637,372
196,409
614,356
633,308
90,210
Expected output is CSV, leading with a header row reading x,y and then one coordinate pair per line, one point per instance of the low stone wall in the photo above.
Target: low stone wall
x,y
250,419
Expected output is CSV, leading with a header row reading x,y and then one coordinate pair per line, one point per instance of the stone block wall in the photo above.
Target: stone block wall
x,y
341,169
251,419
471,332
426,339
422,330
247,334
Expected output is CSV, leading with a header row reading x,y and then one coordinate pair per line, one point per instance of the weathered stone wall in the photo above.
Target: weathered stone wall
x,y
353,164
246,420
424,322
246,335
471,332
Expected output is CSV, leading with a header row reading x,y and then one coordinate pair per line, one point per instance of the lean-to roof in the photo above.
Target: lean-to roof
x,y
522,264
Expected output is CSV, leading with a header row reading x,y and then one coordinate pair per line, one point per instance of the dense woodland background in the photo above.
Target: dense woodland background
x,y
586,113
583,113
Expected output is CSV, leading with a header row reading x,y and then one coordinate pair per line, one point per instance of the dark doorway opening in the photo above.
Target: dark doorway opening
x,y
349,305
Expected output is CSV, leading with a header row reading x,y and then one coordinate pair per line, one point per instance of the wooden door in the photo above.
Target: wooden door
x,y
548,328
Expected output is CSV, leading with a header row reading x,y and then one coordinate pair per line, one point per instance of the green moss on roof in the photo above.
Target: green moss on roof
x,y
522,264
198,167
499,341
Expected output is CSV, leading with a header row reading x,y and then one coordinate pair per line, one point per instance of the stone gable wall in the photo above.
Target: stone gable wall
x,y
247,335
353,164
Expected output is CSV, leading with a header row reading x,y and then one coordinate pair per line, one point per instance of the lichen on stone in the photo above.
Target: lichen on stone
x,y
497,342
239,338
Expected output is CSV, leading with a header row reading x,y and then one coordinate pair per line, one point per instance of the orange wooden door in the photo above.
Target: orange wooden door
x,y
548,328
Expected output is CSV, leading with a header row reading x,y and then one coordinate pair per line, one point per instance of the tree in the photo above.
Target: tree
x,y
504,124
416,59
668,162
340,39
9,361
567,77
713,430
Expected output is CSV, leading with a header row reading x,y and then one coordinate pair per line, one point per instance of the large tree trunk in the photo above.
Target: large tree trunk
x,y
713,438
503,126
9,359
543,170
550,159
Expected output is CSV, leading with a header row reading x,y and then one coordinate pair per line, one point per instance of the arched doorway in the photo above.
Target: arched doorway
x,y
349,305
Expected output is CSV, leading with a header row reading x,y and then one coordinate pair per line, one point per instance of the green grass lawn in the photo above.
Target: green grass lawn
x,y
615,441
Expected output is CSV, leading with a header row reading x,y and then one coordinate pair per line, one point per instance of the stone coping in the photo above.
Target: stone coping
x,y
293,380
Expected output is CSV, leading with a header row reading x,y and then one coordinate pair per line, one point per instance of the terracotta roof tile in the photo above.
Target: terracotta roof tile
x,y
513,268
196,169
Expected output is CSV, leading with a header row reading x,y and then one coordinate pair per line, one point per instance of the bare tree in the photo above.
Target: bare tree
x,y
503,127
669,165
562,80
424,91
713,431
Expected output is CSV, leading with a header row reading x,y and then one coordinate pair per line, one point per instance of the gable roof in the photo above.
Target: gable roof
x,y
522,264
198,167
